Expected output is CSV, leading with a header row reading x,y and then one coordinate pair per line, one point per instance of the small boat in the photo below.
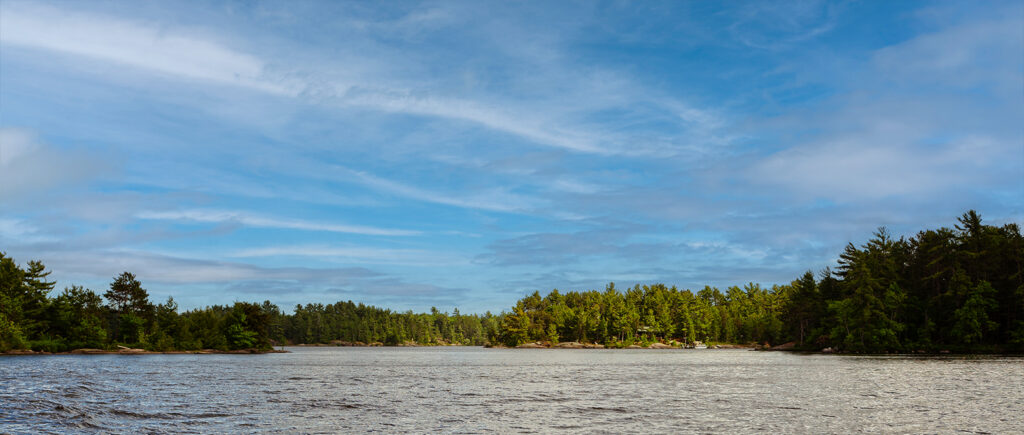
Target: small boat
x,y
699,345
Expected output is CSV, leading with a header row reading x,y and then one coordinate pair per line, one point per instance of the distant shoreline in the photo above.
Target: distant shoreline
x,y
564,345
143,352
945,291
531,345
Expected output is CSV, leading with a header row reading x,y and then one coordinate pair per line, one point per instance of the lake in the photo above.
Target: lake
x,y
465,389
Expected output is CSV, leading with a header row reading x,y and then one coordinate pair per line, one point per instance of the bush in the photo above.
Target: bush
x,y
10,335
48,345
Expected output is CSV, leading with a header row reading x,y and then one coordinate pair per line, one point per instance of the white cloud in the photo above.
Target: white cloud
x,y
779,25
356,81
243,218
205,282
356,254
903,126
169,269
575,186
494,200
519,124
27,165
136,44
168,51
981,52
17,230
865,168
13,144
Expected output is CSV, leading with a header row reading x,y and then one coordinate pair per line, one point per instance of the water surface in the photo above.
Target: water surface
x,y
328,390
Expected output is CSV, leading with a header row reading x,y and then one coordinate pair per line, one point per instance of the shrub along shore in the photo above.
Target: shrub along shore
x,y
957,289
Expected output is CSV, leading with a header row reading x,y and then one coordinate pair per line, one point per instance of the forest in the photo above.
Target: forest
x,y
957,289
124,316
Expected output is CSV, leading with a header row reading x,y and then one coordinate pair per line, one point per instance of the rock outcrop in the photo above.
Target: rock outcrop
x,y
570,345
534,345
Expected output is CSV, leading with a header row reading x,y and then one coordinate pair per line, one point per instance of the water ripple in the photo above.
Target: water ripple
x,y
473,390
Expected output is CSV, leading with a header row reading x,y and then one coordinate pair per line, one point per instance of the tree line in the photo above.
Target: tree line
x,y
959,288
30,318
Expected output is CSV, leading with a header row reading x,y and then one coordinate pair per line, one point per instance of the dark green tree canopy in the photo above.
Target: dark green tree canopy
x,y
959,288
126,295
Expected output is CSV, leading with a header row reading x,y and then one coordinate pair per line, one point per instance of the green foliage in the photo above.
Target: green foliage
x,y
959,288
77,316
349,322
48,345
11,336
645,314
239,337
130,309
126,295
515,328
23,294
132,329
972,319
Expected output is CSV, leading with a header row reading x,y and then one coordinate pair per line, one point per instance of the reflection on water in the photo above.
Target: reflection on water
x,y
327,390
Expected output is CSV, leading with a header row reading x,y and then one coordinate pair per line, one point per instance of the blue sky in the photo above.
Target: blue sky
x,y
418,154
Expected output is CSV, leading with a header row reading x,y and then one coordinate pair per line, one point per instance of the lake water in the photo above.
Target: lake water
x,y
329,390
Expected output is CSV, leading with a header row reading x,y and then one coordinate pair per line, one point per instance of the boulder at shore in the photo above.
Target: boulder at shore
x,y
534,345
569,345
785,346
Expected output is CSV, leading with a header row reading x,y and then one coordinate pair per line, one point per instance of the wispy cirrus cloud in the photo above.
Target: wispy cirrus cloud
x,y
170,275
180,270
492,200
778,25
520,124
243,218
18,230
983,53
495,146
905,128
181,53
135,44
356,255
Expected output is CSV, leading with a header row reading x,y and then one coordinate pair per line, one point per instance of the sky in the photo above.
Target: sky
x,y
464,154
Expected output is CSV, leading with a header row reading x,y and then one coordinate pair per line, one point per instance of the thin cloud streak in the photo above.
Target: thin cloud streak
x,y
459,146
217,216
471,111
356,254
134,44
495,200
173,54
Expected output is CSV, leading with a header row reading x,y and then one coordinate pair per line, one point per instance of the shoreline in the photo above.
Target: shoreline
x,y
130,351
532,345
341,343
652,346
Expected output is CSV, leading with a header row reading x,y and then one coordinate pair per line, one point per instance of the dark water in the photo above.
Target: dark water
x,y
327,390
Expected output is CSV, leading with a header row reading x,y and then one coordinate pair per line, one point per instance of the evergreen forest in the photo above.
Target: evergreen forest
x,y
957,289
